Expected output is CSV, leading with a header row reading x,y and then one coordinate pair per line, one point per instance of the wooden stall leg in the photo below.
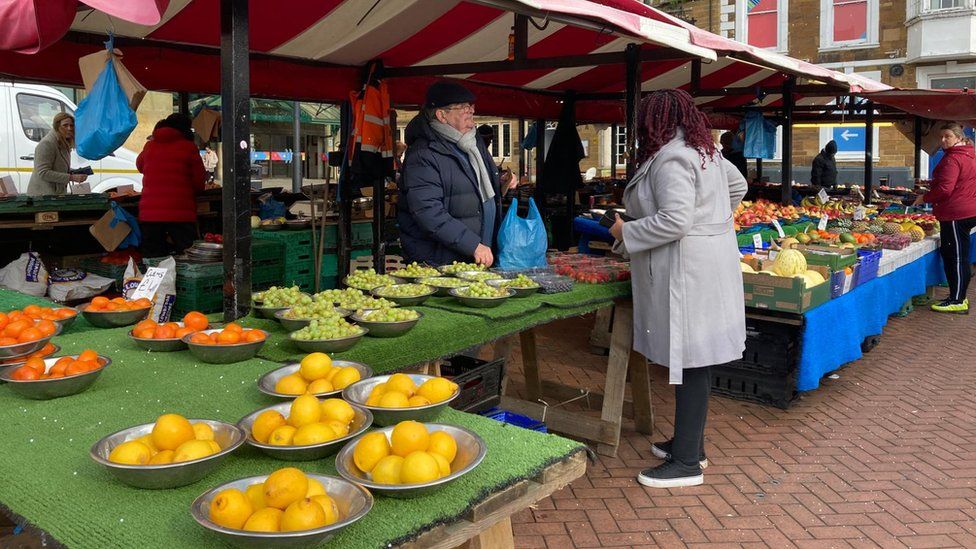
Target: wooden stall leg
x,y
600,336
499,536
621,345
530,366
640,386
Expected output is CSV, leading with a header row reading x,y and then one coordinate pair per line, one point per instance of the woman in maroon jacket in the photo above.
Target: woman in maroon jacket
x,y
953,197
172,175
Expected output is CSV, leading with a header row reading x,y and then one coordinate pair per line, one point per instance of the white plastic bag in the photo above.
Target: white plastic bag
x,y
26,274
165,297
130,279
71,284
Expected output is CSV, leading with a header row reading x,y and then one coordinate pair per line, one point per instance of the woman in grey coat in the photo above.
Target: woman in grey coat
x,y
52,159
689,311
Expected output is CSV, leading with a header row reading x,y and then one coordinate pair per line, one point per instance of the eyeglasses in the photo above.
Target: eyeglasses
x,y
463,107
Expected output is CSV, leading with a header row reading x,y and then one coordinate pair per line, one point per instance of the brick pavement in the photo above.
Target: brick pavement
x,y
884,456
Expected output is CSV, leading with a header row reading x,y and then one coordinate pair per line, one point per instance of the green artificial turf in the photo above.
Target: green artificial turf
x,y
510,308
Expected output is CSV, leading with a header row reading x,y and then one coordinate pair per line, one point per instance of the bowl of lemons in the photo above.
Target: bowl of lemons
x,y
411,458
398,397
317,374
304,429
288,508
171,452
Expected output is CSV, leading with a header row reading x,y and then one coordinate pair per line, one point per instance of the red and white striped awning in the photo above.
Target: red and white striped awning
x,y
312,50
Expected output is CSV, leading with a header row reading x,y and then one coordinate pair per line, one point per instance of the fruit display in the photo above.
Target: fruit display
x,y
310,421
415,270
35,368
589,269
368,279
102,304
444,282
790,263
388,315
232,334
480,276
327,328
520,281
193,321
399,391
46,351
317,375
271,224
353,299
173,440
213,238
318,308
810,278
896,241
287,501
411,455
402,290
275,297
459,267
20,328
482,291
762,211
36,312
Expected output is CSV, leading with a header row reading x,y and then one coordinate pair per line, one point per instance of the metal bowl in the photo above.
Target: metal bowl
x,y
266,312
481,302
19,361
447,270
360,422
328,345
297,224
519,292
271,227
358,392
159,345
65,322
471,450
18,350
411,278
114,319
267,382
440,289
295,324
168,475
345,282
46,389
478,276
404,301
224,354
386,329
353,502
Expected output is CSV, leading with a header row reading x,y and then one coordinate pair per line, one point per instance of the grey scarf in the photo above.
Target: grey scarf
x,y
467,143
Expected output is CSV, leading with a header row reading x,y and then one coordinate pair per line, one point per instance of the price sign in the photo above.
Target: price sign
x,y
822,195
823,223
150,284
779,228
859,213
757,241
906,209
773,254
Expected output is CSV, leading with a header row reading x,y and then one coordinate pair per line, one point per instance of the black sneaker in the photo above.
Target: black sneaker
x,y
671,474
662,450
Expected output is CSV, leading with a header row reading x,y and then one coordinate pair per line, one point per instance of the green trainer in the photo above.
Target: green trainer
x,y
948,306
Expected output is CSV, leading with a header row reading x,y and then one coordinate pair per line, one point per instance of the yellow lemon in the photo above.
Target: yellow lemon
x,y
374,399
443,444
214,446
394,399
255,494
266,422
315,488
264,520
304,410
402,384
408,437
315,366
320,386
292,384
170,431
313,433
345,377
162,458
332,372
329,506
419,467
303,514
202,431
337,409
378,390
437,389
284,487
191,450
444,468
282,436
369,450
230,509
418,400
130,453
387,471
341,429
147,440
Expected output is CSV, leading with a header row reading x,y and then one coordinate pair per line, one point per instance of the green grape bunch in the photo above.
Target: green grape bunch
x,y
389,315
482,291
459,267
520,281
316,309
480,276
415,270
282,297
327,328
444,282
368,279
403,290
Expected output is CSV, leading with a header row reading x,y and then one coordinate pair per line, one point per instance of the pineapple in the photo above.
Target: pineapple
x,y
891,228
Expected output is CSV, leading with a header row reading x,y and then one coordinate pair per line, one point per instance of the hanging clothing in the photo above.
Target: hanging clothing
x,y
372,156
760,136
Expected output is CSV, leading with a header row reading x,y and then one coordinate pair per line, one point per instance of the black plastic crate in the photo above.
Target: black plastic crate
x,y
772,348
740,384
480,382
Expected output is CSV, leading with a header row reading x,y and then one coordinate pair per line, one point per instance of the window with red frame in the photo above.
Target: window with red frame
x,y
762,20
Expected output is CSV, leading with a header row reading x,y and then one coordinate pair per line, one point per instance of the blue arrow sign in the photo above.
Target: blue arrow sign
x,y
849,139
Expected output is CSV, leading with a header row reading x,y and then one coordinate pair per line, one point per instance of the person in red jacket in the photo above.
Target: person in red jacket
x,y
953,197
172,175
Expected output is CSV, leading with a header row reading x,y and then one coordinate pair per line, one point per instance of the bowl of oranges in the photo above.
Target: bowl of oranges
x,y
173,451
306,428
399,397
166,337
21,335
47,378
224,346
317,374
288,508
410,459
43,352
64,316
103,312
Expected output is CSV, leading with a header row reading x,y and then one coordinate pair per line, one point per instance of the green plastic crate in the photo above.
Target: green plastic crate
x,y
362,233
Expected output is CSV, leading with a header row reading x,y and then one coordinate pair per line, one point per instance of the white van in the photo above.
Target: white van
x,y
26,114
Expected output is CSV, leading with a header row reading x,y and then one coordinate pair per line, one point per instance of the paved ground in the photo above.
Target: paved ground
x,y
884,456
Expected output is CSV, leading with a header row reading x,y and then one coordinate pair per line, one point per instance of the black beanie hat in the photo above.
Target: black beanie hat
x,y
444,93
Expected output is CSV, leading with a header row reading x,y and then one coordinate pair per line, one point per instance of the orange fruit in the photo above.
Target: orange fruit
x,y
142,303
253,335
174,325
112,306
25,374
196,321
14,328
119,300
227,337
14,315
65,313
99,301
60,367
4,320
35,363
143,324
29,334
184,331
46,350
89,355
146,333
201,339
75,368
46,327
32,310
165,332
5,341
233,327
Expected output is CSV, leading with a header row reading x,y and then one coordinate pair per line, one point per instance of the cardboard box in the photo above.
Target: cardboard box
x,y
108,236
7,187
778,293
207,125
828,256
92,65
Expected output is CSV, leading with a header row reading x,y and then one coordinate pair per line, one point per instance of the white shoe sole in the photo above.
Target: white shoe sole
x,y
661,454
671,482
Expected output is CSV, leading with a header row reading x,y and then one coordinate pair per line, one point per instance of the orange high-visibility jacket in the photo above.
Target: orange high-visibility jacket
x,y
371,123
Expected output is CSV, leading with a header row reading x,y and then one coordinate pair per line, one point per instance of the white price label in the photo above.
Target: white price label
x,y
757,241
773,254
149,285
822,195
779,228
859,213
906,209
823,223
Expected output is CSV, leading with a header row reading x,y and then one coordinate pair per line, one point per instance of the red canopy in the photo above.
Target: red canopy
x,y
955,105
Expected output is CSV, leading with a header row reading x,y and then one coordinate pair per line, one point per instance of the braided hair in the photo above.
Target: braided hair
x,y
660,115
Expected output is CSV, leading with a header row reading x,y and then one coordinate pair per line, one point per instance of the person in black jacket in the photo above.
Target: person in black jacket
x,y
733,154
449,185
824,169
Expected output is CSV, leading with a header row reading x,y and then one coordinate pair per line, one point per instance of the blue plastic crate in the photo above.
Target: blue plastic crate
x,y
868,270
518,420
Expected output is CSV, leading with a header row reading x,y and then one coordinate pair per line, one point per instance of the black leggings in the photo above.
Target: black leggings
x,y
690,413
154,238
955,255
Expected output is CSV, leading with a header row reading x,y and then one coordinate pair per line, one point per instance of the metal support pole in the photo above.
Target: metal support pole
x,y
236,147
379,213
787,161
868,151
523,154
613,151
696,66
918,148
759,169
184,99
343,200
633,97
521,37
296,158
